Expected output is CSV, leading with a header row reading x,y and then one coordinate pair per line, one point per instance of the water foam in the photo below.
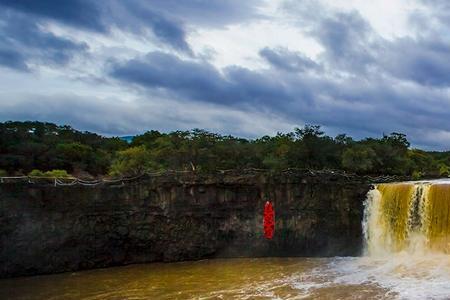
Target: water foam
x,y
402,275
406,229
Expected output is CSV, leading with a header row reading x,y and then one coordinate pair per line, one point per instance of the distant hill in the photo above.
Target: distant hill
x,y
127,138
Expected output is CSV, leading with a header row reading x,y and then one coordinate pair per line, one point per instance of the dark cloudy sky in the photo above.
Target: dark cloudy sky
x,y
247,68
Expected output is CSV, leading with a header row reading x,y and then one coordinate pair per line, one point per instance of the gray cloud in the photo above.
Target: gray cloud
x,y
289,60
166,19
351,45
424,61
79,13
347,40
22,42
211,13
138,17
199,80
101,17
12,59
170,19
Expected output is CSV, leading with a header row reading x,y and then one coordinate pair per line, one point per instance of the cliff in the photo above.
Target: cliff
x,y
48,229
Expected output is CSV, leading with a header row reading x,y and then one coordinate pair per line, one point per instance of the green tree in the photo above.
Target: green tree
x,y
314,150
421,163
133,161
359,159
28,146
74,155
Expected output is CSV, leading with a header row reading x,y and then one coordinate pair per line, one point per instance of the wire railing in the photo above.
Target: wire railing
x,y
72,181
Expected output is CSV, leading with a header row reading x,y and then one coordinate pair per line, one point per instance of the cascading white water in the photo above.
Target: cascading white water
x,y
407,217
407,241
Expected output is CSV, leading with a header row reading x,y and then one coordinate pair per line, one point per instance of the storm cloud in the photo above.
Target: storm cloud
x,y
199,80
22,41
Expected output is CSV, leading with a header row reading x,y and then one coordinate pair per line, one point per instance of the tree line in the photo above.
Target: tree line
x,y
40,149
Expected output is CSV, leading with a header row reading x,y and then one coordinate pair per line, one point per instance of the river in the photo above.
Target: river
x,y
398,277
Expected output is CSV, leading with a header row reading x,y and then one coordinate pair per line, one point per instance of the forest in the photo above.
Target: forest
x,y
47,149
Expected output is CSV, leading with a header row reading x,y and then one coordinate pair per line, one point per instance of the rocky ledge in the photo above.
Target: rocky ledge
x,y
174,217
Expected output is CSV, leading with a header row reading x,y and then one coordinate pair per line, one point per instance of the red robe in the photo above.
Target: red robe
x,y
269,220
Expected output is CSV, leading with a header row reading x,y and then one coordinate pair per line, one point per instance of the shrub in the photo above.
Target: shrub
x,y
444,170
36,173
416,175
3,173
57,173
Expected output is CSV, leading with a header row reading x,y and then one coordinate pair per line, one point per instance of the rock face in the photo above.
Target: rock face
x,y
47,229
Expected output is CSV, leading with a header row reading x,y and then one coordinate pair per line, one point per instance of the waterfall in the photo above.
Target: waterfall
x,y
412,217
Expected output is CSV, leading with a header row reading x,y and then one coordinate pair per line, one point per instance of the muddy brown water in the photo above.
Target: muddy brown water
x,y
262,278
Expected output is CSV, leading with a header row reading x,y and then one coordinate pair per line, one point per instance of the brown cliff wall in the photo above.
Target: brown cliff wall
x,y
47,229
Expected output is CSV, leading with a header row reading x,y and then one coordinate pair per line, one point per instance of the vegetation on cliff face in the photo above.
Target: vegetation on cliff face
x,y
41,147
